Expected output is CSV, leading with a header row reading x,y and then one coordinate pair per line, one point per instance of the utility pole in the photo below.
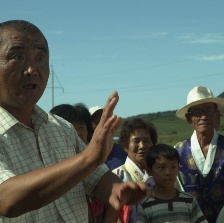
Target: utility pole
x,y
52,73
53,87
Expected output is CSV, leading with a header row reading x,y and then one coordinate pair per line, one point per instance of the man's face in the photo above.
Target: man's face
x,y
24,69
204,117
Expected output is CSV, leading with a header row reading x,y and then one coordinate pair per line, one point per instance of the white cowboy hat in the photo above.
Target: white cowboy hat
x,y
198,95
94,109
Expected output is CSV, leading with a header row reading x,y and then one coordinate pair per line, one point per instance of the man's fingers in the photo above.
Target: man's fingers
x,y
109,107
128,193
142,186
116,125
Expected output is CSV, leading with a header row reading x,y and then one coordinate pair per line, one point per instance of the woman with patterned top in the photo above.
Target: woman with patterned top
x,y
136,138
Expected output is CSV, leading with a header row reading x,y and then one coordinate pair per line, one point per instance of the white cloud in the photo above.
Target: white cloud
x,y
202,39
209,58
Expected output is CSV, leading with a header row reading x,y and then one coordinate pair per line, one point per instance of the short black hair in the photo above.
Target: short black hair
x,y
131,125
161,150
20,25
77,113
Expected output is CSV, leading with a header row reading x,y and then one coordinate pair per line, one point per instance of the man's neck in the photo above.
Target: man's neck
x,y
22,115
204,138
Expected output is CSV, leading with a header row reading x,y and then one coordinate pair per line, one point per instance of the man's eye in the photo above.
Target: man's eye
x,y
18,57
40,58
196,113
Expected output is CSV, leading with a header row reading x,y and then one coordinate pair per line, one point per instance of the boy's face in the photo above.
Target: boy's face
x,y
164,172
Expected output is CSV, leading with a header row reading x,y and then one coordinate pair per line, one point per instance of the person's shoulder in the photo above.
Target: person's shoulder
x,y
118,151
57,120
181,144
146,201
58,123
221,137
184,194
121,172
120,168
117,147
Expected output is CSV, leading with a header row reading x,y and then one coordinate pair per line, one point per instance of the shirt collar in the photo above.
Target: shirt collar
x,y
204,164
7,120
132,167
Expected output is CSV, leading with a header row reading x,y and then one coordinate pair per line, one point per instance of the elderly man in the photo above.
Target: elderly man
x,y
202,156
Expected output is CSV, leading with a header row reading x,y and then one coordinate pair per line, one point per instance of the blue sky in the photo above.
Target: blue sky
x,y
153,52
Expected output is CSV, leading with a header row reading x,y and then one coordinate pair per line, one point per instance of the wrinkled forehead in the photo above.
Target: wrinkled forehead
x,y
12,34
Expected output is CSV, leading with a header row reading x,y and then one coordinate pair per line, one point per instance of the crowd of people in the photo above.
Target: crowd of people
x,y
64,166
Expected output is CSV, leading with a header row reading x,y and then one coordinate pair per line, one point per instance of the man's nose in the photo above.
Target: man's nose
x,y
30,71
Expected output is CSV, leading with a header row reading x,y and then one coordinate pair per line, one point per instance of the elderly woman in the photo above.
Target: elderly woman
x,y
136,138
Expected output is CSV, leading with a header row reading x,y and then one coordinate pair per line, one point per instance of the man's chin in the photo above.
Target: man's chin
x,y
205,129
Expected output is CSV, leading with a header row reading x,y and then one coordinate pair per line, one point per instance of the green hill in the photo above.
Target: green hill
x,y
170,128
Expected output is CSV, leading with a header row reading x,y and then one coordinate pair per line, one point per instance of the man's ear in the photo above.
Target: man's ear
x,y
188,117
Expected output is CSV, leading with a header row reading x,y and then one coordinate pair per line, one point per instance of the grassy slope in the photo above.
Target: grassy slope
x,y
170,129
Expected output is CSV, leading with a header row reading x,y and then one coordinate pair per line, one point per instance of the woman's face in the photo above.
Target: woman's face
x,y
139,144
82,131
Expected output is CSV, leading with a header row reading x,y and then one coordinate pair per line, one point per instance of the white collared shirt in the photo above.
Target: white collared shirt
x,y
204,164
23,150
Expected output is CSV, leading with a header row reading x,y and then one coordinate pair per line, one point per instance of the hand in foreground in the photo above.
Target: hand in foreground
x,y
102,140
127,193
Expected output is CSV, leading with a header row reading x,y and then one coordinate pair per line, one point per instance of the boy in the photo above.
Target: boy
x,y
167,204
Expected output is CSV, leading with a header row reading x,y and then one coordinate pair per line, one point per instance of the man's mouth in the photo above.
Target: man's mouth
x,y
30,86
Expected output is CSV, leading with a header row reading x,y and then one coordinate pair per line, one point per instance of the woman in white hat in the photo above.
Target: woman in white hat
x,y
202,156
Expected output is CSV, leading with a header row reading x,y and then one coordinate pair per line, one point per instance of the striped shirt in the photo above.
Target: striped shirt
x,y
52,140
182,209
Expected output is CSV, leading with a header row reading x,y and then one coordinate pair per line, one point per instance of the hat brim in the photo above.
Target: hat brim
x,y
182,111
97,111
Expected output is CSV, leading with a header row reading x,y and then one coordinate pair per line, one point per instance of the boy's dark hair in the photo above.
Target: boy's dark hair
x,y
77,113
131,125
161,150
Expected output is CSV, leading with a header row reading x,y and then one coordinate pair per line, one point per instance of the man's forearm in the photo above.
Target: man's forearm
x,y
41,187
